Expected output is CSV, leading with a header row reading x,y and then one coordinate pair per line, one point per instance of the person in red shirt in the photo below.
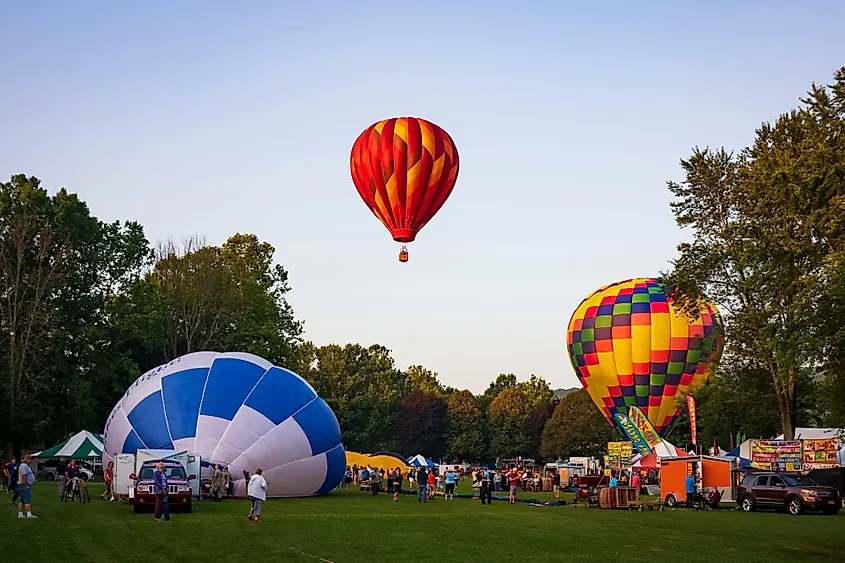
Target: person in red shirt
x,y
636,483
513,481
108,477
432,484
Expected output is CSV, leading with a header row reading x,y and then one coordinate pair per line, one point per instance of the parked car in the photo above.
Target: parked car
x,y
178,486
791,491
48,472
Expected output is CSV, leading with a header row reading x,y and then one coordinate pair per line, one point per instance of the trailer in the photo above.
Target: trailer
x,y
709,473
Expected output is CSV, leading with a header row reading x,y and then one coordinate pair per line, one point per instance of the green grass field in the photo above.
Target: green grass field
x,y
355,526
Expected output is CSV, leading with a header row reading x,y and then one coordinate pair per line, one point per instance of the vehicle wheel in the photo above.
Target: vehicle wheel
x,y
747,504
83,476
660,508
650,507
50,477
136,508
189,508
640,508
832,510
671,501
795,506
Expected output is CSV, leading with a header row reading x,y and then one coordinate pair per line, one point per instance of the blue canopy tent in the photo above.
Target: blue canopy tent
x,y
420,461
743,463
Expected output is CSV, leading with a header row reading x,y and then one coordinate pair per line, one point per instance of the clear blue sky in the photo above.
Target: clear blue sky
x,y
211,118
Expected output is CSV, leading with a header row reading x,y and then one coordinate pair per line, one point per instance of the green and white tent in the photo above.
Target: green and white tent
x,y
84,445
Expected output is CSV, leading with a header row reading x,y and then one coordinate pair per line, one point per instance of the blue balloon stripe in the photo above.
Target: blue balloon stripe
x,y
182,394
230,382
147,418
319,424
279,395
335,469
132,443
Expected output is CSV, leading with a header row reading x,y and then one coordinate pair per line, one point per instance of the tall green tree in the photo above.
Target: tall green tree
x,y
464,428
422,425
59,266
768,244
363,388
576,428
507,420
537,390
424,379
503,381
203,297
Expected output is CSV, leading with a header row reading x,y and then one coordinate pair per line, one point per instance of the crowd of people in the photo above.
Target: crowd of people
x,y
428,481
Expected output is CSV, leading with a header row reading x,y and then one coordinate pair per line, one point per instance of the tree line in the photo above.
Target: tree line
x,y
87,305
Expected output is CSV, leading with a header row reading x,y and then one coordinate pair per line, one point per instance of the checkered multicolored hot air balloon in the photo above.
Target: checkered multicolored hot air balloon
x,y
629,345
404,169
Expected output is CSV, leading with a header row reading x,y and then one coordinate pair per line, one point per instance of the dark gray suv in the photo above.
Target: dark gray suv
x,y
791,491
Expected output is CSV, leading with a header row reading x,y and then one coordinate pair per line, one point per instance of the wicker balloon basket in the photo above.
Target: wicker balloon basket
x,y
616,497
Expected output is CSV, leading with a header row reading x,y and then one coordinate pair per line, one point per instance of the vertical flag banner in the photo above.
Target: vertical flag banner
x,y
692,416
644,426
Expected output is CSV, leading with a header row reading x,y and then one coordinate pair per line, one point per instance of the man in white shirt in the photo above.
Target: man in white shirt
x,y
256,490
25,481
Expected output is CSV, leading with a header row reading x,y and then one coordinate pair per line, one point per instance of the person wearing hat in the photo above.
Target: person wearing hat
x,y
26,479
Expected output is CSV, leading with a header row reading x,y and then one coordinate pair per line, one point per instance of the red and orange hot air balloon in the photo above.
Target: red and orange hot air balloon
x,y
404,169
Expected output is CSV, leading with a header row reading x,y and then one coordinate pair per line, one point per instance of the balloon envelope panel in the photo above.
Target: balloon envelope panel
x,y
237,410
630,345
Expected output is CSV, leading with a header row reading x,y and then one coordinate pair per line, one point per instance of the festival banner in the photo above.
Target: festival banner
x,y
633,434
820,454
776,455
692,417
619,455
644,425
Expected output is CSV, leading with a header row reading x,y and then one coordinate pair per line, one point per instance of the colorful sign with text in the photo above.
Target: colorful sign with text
x,y
776,455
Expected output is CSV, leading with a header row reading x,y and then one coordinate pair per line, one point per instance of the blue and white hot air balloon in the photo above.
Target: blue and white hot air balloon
x,y
238,410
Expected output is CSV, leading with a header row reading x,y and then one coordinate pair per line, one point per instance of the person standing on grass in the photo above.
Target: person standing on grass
x,y
556,484
26,479
228,483
450,484
397,484
217,480
689,483
375,481
257,493
108,477
160,489
485,488
422,485
636,482
61,476
11,475
432,484
513,482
